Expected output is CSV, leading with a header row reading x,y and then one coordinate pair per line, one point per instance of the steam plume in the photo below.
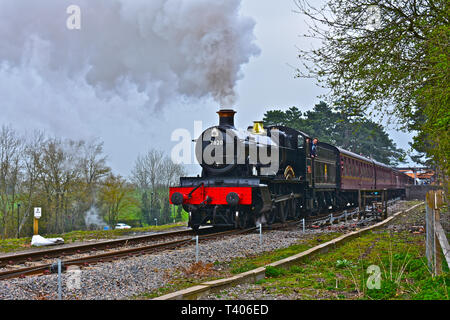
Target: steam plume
x,y
157,50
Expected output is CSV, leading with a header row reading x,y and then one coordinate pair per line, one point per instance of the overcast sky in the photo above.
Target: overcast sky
x,y
133,75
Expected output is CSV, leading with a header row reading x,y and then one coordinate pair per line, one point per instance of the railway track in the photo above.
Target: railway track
x,y
61,252
114,252
46,268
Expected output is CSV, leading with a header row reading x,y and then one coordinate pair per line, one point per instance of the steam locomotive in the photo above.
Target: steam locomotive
x,y
268,174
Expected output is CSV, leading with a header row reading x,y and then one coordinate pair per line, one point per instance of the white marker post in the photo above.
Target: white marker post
x,y
59,280
37,216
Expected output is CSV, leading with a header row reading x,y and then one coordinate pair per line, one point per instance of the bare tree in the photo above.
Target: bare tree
x,y
31,162
93,168
171,172
93,162
10,162
147,171
155,171
59,175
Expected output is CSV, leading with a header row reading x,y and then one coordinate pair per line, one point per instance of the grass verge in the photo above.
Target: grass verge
x,y
381,265
198,273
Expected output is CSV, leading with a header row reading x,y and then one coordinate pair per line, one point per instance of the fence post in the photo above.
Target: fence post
x,y
433,203
303,225
438,250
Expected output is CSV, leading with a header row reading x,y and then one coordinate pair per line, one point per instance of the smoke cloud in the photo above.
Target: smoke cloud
x,y
92,217
160,49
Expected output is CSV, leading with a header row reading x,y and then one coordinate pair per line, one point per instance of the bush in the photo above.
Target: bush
x,y
388,290
343,263
244,268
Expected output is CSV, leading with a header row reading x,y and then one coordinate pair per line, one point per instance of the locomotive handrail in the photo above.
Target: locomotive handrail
x,y
192,191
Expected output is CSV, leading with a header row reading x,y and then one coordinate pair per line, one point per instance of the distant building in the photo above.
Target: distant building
x,y
420,175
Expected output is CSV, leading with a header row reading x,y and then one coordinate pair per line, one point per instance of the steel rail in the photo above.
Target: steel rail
x,y
113,255
29,256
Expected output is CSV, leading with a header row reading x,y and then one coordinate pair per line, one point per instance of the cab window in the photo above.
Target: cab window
x,y
300,142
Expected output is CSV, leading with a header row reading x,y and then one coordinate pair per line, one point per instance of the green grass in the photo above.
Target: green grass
x,y
343,272
10,245
240,265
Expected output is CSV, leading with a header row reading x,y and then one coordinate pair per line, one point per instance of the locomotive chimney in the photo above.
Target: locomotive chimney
x,y
226,117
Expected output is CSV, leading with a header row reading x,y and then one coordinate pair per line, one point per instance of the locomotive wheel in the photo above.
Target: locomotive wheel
x,y
253,220
272,215
243,220
195,220
293,213
194,225
283,211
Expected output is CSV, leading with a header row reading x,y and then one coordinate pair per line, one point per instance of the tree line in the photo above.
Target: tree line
x,y
387,58
69,178
354,133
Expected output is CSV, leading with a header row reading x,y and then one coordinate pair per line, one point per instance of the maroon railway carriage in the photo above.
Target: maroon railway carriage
x,y
360,173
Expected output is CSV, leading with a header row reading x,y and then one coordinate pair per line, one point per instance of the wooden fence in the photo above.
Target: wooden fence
x,y
437,246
